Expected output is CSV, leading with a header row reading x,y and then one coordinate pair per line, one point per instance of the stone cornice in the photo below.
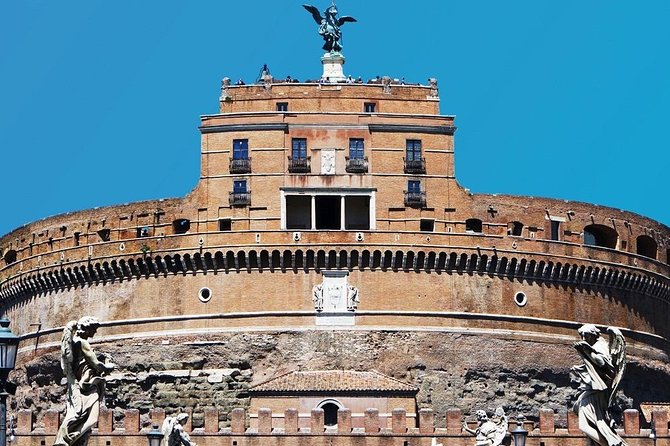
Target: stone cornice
x,y
243,128
400,128
531,267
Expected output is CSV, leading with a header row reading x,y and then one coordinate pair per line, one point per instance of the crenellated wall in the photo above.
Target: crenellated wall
x,y
230,429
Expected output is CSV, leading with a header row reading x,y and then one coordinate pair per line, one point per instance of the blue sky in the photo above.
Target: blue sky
x,y
100,100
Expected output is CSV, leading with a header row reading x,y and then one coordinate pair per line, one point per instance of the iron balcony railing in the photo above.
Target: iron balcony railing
x,y
240,198
240,165
299,165
415,165
357,165
415,199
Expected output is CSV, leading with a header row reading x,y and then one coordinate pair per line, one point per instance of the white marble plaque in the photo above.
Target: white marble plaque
x,y
327,161
335,301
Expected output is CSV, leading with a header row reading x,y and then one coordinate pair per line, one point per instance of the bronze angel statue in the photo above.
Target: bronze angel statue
x,y
599,377
83,371
329,26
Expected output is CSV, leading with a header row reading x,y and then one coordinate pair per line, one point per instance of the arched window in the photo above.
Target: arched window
x,y
10,257
646,246
330,408
600,235
473,225
514,228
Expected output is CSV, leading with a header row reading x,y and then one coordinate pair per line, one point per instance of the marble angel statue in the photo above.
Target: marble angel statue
x,y
599,376
83,372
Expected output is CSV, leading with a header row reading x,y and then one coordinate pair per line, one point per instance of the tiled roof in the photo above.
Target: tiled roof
x,y
333,381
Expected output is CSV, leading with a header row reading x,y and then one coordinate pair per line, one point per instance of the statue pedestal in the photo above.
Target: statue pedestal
x,y
332,67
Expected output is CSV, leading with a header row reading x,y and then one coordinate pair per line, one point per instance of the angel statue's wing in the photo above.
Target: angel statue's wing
x,y
315,13
344,19
66,353
618,355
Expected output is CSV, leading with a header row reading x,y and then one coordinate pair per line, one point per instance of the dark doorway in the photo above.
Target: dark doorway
x,y
330,414
328,212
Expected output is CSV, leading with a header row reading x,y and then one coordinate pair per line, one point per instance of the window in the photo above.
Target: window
x,y
347,211
298,212
369,107
181,226
427,225
413,150
225,224
646,246
600,235
515,228
10,256
414,186
555,227
282,106
473,225
299,148
143,231
356,148
330,409
239,186
240,149
330,414
357,213
104,234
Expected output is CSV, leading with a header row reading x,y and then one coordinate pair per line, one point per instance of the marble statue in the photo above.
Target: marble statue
x,y
489,432
317,297
83,371
174,433
329,26
225,94
599,376
352,298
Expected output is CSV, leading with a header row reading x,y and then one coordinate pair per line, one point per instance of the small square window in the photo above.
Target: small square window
x,y
143,231
225,224
369,107
427,225
473,225
414,186
104,234
282,106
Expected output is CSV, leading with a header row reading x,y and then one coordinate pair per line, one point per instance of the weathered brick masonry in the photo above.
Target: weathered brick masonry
x,y
474,299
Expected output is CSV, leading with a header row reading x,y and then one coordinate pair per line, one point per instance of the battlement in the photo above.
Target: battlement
x,y
381,96
283,429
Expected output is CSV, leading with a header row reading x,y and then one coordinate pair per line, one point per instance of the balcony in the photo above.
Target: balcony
x,y
415,199
240,198
299,165
357,165
240,165
415,166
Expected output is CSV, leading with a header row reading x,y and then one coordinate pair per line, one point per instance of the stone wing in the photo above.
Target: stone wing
x,y
618,354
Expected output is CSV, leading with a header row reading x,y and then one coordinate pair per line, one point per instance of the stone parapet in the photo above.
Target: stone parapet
x,y
422,434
